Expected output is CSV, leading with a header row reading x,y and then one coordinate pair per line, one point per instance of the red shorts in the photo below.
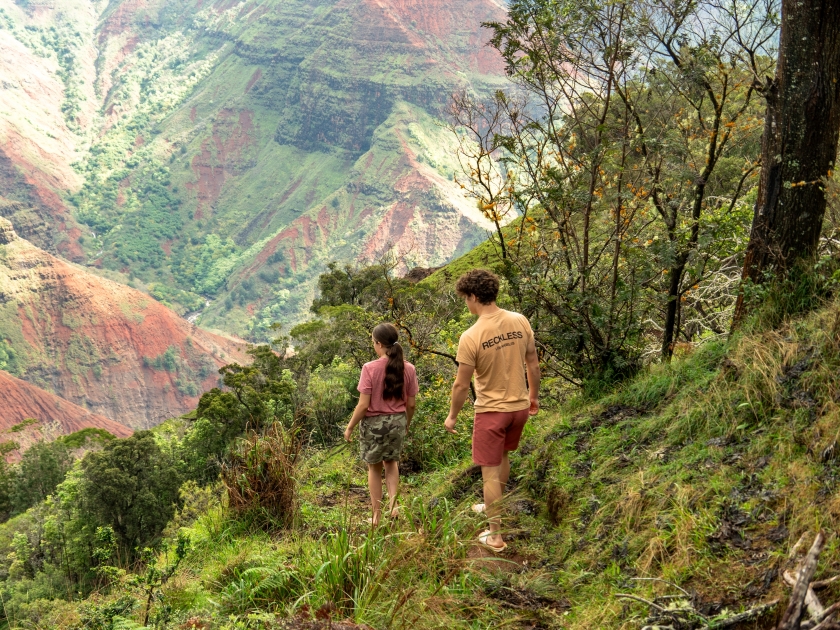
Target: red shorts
x,y
494,433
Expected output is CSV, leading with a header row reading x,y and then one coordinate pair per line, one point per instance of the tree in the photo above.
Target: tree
x,y
7,480
627,148
42,467
255,397
132,486
350,285
566,259
702,57
799,145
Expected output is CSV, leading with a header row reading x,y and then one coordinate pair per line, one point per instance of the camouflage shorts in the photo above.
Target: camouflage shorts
x,y
381,438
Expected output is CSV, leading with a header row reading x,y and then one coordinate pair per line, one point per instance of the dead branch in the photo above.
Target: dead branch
x,y
812,603
793,615
752,613
794,551
821,584
689,617
824,620
639,599
828,624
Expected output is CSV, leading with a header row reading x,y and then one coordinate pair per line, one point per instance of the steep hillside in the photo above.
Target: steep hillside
x,y
227,151
29,414
98,344
693,485
47,110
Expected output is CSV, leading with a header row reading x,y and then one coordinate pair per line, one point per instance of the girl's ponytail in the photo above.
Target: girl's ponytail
x,y
387,335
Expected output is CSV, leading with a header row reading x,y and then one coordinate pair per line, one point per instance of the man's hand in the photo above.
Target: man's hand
x,y
450,424
460,390
348,433
534,408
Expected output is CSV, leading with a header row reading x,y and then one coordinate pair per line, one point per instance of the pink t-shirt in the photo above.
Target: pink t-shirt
x,y
372,381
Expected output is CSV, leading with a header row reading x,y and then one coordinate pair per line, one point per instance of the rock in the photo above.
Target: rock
x,y
7,232
420,273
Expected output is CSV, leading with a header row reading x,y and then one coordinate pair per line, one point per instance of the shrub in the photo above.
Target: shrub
x,y
261,587
131,485
427,445
9,359
330,399
41,469
90,436
260,476
257,396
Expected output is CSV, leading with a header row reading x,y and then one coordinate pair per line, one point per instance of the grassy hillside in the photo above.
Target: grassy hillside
x,y
704,473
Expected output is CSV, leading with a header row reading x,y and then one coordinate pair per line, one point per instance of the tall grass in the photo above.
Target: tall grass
x,y
702,472
810,285
348,576
259,476
414,573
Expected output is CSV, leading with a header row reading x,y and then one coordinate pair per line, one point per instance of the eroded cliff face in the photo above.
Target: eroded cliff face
x,y
109,349
47,109
30,414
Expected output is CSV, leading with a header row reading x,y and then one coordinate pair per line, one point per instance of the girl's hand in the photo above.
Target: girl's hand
x,y
348,433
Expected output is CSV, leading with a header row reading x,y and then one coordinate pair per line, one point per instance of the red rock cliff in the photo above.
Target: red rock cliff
x,y
22,403
101,345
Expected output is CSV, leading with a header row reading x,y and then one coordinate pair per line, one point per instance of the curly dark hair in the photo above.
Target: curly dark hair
x,y
483,284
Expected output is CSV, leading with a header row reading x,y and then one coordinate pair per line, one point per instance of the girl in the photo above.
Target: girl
x,y
387,391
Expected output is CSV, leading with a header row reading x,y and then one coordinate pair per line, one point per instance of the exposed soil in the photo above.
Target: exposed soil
x,y
524,599
22,402
222,154
91,340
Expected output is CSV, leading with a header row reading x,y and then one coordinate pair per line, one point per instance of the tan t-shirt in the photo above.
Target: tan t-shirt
x,y
495,345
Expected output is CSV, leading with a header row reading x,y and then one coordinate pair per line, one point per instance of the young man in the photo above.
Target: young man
x,y
498,349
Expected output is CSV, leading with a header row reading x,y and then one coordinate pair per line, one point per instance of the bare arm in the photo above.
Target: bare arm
x,y
532,367
358,414
460,389
410,406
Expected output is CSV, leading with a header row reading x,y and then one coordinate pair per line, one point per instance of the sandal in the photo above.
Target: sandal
x,y
482,538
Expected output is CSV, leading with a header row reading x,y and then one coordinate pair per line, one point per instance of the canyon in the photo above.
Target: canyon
x,y
175,175
31,414
223,153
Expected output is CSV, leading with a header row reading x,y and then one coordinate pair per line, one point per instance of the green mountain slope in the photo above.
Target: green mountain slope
x,y
224,152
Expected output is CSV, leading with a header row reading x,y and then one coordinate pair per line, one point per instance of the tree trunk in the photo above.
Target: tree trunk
x,y
670,329
799,145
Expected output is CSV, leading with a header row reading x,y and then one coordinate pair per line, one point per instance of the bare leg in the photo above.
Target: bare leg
x,y
493,488
504,475
392,480
375,488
